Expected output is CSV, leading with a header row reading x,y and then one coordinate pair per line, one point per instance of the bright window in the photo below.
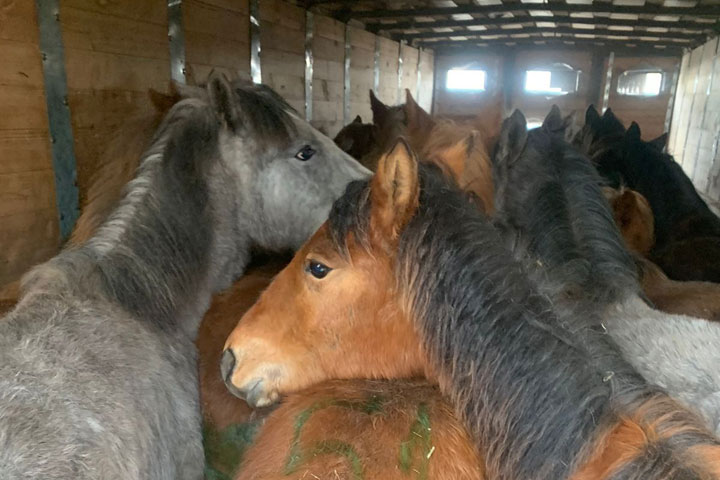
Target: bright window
x,y
640,83
559,79
467,80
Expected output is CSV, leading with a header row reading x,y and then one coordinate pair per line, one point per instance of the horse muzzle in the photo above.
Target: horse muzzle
x,y
254,391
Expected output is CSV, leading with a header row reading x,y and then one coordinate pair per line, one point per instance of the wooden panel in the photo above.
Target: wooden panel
x,y
27,192
27,239
114,52
216,36
683,119
648,112
139,10
29,232
362,64
424,96
388,88
23,151
409,70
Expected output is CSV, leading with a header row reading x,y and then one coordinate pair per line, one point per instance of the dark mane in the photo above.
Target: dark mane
x,y
266,114
166,248
641,166
490,333
538,397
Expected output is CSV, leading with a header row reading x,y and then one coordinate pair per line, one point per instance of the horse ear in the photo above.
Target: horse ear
x,y
163,101
568,126
592,117
513,137
659,142
358,119
379,109
633,132
394,192
419,122
553,121
221,98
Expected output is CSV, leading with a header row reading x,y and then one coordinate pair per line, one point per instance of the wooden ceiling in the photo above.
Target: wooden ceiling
x,y
638,26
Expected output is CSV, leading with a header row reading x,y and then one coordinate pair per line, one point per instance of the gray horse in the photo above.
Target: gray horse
x,y
552,197
97,361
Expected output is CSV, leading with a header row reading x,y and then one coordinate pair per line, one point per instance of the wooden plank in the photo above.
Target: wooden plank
x,y
27,239
22,65
24,151
18,21
22,108
210,50
201,17
329,29
26,192
142,10
277,37
240,6
88,70
330,50
85,30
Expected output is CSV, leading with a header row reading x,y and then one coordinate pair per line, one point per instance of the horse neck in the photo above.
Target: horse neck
x,y
497,344
168,246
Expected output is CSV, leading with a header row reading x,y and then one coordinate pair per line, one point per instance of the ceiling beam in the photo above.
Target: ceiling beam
x,y
686,39
696,11
608,44
642,51
403,25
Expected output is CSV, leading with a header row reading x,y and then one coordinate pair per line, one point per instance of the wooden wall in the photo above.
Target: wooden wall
x,y
29,232
115,51
695,129
649,112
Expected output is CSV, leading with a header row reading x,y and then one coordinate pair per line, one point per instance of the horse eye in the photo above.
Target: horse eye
x,y
305,153
317,269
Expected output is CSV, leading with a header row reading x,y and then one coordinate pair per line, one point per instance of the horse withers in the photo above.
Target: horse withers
x,y
97,359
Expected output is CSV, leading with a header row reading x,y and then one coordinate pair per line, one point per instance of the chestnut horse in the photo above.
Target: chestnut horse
x,y
377,454
406,278
363,429
635,221
633,217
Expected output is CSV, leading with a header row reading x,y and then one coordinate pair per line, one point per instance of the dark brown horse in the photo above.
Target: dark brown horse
x,y
406,278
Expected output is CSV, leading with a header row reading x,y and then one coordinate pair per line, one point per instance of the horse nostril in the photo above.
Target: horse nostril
x,y
227,363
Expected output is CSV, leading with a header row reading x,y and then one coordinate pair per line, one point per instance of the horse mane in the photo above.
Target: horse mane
x,y
551,192
479,315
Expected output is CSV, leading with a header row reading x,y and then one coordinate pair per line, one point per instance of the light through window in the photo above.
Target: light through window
x,y
558,79
640,83
467,80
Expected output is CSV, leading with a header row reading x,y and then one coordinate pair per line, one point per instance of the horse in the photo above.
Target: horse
x,y
376,454
687,233
633,216
358,140
569,231
97,359
440,141
362,429
407,278
634,219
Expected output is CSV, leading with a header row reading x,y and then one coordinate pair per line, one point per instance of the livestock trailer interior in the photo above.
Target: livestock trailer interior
x,y
98,100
